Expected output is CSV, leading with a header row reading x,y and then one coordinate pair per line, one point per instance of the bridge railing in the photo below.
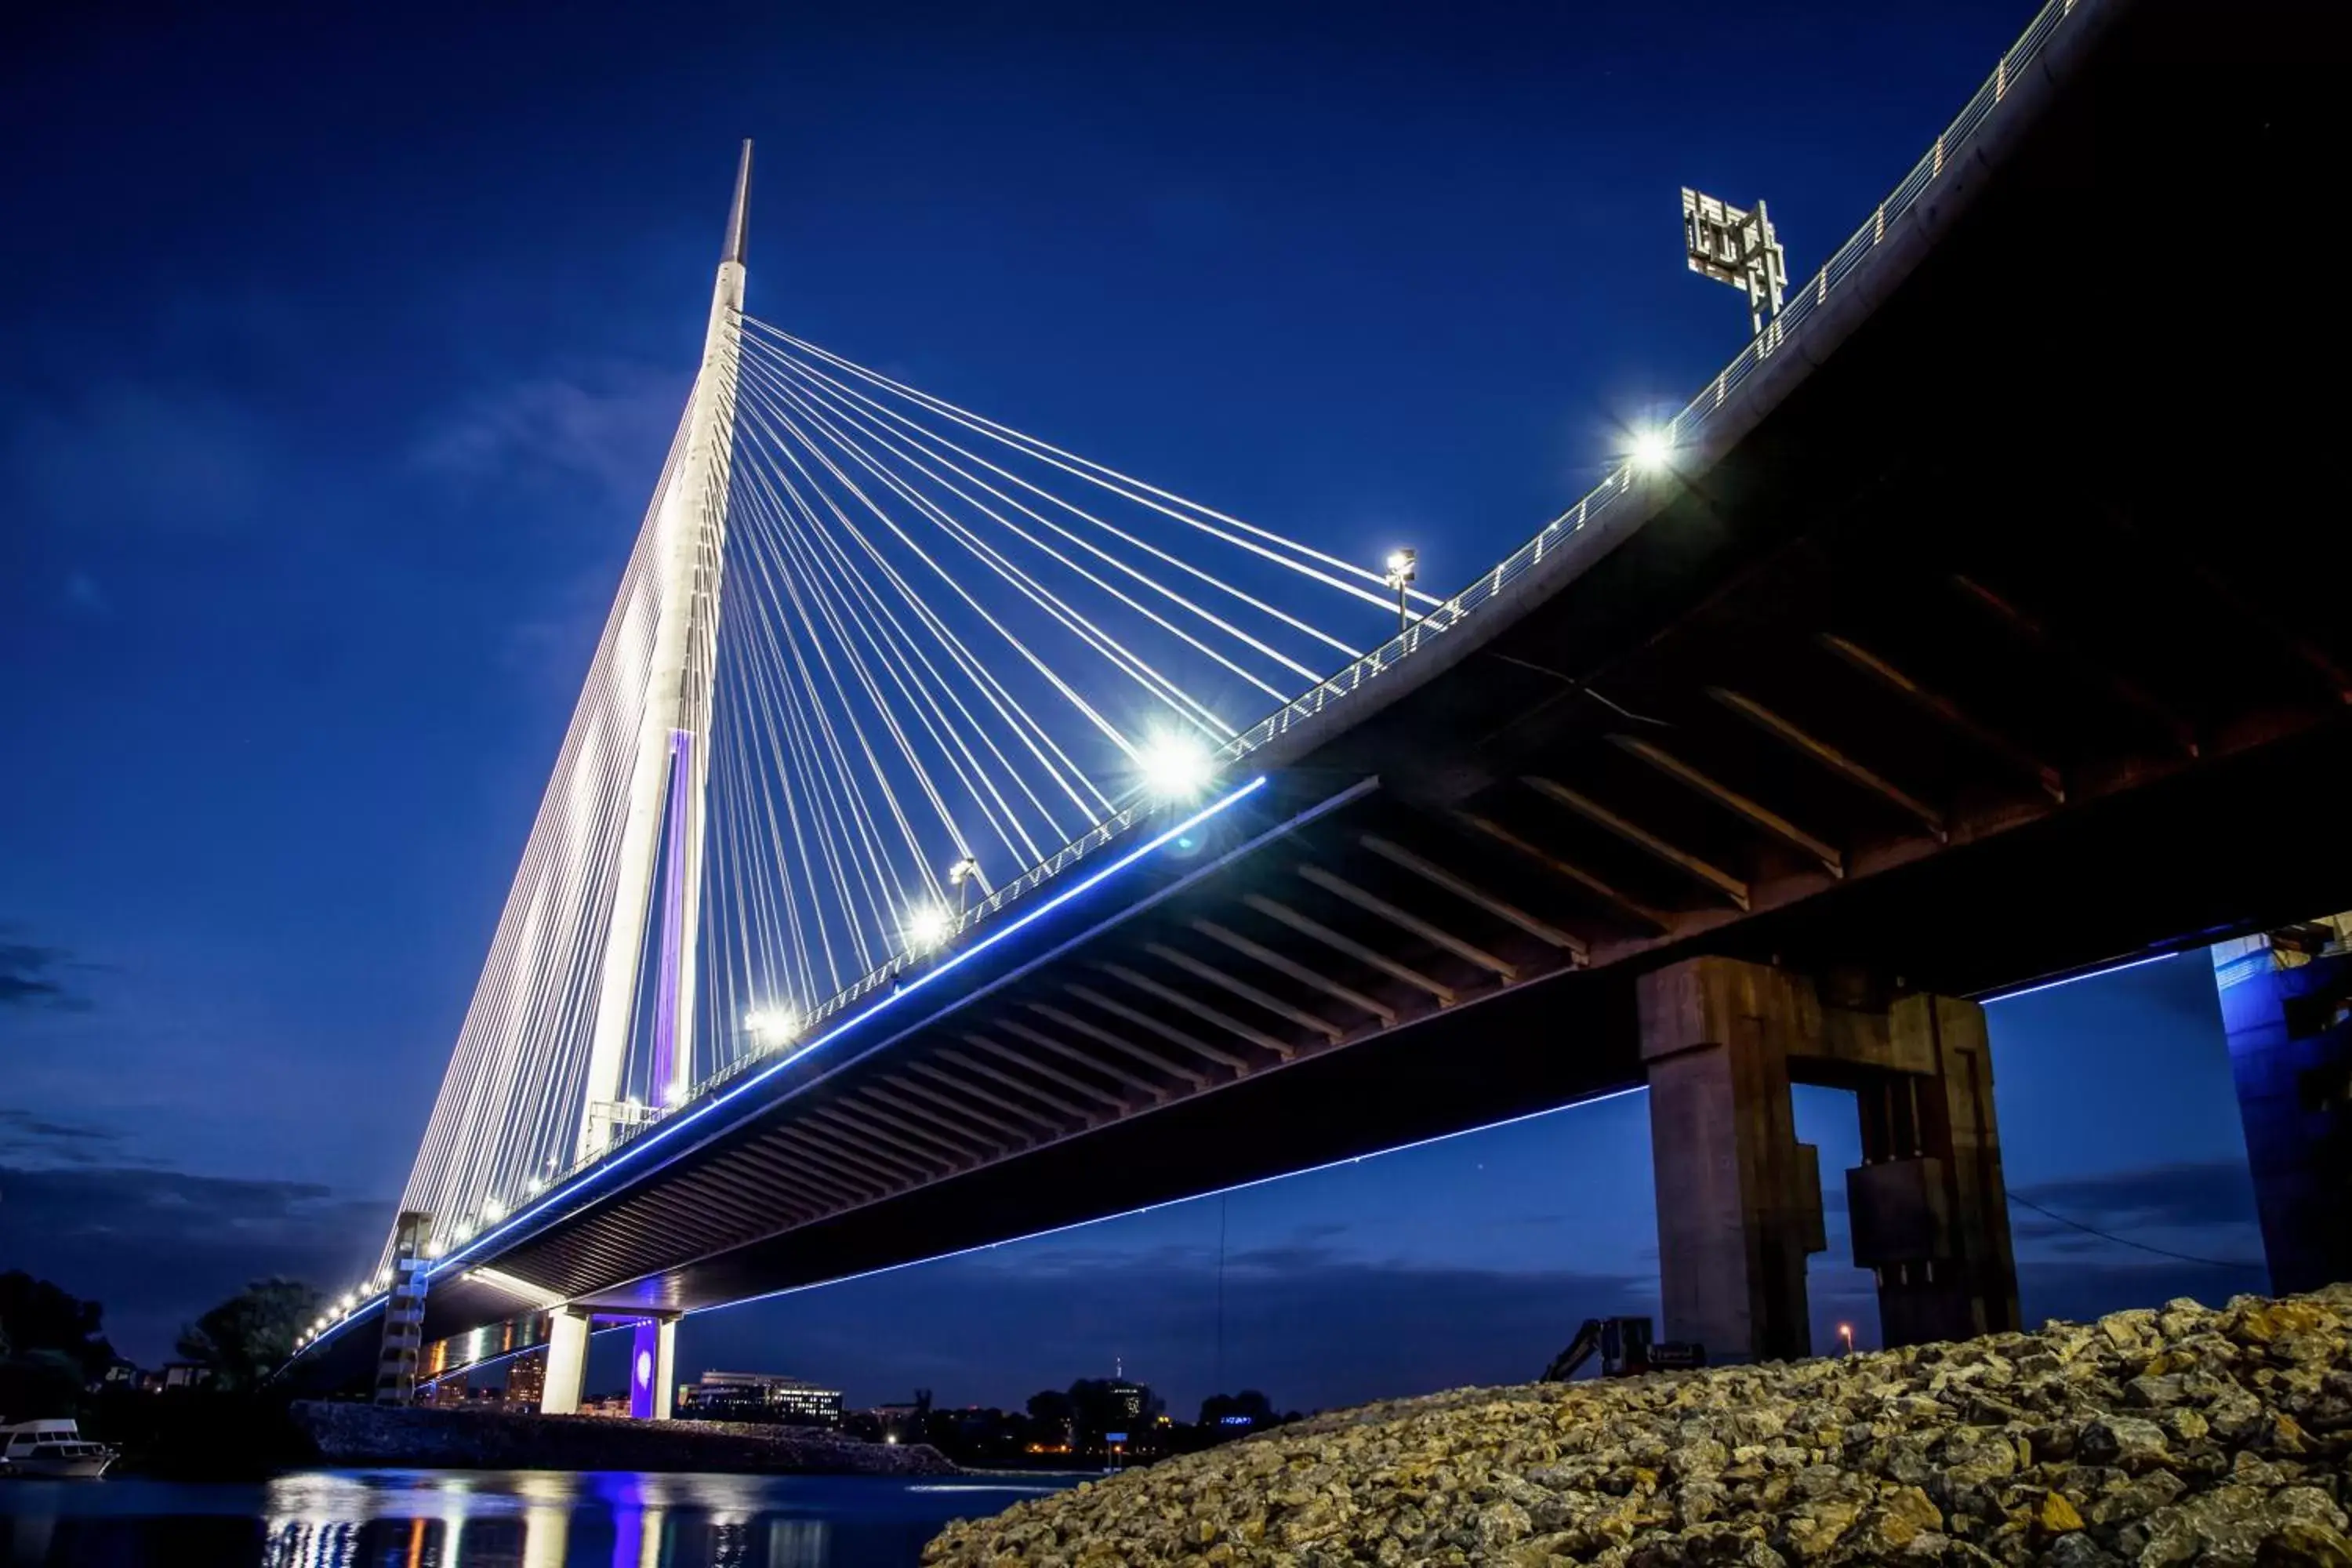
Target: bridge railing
x,y
1958,139
1612,493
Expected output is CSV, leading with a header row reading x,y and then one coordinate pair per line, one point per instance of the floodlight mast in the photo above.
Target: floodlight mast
x,y
1737,246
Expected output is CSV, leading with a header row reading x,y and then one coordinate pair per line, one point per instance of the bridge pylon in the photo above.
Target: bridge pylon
x,y
660,867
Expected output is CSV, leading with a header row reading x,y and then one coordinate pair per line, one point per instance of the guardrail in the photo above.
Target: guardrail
x,y
1958,138
1692,419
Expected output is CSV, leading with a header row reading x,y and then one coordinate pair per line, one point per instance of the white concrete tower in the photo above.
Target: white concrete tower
x,y
659,876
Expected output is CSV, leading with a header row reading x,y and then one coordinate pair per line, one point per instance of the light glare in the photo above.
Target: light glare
x,y
1652,453
928,926
1176,765
773,1023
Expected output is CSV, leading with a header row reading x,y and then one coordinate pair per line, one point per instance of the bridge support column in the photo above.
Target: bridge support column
x,y
653,1369
1740,1199
2286,1002
567,1361
1928,1206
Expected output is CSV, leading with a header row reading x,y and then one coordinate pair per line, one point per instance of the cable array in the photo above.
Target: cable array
x,y
508,1116
950,649
942,653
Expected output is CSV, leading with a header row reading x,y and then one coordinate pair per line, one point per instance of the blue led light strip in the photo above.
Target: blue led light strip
x,y
598,1173
1172,1203
2070,979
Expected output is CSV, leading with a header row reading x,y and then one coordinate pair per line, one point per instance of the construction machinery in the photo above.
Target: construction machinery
x,y
1626,1350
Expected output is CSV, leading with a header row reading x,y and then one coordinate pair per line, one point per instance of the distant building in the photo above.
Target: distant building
x,y
444,1390
186,1374
527,1379
1128,1403
760,1396
118,1374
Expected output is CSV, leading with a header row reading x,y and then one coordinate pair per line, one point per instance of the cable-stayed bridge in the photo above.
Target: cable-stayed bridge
x,y
957,837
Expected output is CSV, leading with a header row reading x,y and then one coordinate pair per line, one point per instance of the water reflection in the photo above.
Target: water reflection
x,y
439,1519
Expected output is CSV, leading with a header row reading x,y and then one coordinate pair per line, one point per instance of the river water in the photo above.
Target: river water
x,y
492,1519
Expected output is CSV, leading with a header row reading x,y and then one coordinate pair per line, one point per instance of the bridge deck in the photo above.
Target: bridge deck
x,y
1997,643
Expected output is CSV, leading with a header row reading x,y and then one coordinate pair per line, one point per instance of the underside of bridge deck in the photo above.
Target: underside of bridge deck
x,y
2012,639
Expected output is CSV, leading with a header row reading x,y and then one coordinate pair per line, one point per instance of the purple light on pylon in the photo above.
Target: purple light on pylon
x,y
673,931
644,1364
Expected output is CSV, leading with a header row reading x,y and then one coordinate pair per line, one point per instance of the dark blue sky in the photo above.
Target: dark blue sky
x,y
337,353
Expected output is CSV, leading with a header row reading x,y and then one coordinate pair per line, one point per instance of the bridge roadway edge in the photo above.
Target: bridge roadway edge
x,y
1952,922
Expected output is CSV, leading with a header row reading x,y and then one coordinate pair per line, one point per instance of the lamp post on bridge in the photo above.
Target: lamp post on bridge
x,y
1403,565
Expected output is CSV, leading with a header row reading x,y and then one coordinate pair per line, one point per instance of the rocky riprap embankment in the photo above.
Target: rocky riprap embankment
x,y
2179,1436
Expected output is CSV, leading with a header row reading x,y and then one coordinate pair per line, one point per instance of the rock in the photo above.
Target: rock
x,y
2078,1551
2055,1516
2126,1441
2186,1436
2304,1546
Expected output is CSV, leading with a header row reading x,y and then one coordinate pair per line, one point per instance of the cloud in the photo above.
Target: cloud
x,y
43,1142
608,426
125,456
29,979
158,1246
2200,1193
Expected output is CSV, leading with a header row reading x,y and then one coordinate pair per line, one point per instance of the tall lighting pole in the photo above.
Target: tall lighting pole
x,y
1404,564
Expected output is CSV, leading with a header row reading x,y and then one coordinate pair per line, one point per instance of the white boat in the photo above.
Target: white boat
x,y
51,1451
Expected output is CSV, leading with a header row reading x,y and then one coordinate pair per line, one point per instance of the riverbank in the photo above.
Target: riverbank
x,y
353,1434
2171,1436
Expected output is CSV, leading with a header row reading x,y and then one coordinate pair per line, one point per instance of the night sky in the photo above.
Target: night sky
x,y
338,352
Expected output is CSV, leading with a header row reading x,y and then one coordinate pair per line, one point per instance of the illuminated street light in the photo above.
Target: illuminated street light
x,y
960,876
1176,765
772,1026
1652,451
928,926
1403,565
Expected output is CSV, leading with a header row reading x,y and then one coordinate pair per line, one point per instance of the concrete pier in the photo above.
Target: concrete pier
x,y
1740,1199
567,1361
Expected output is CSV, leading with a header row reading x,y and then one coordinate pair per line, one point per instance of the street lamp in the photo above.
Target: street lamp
x,y
1652,451
961,875
1175,766
928,926
1404,564
772,1026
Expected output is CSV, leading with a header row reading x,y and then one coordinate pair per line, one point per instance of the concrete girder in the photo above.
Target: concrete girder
x,y
1295,970
1341,888
1734,888
1246,991
1830,757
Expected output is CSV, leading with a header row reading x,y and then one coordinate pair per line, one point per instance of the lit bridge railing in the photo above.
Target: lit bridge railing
x,y
1958,139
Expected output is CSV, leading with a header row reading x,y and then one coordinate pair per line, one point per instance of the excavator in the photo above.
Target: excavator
x,y
1626,1350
